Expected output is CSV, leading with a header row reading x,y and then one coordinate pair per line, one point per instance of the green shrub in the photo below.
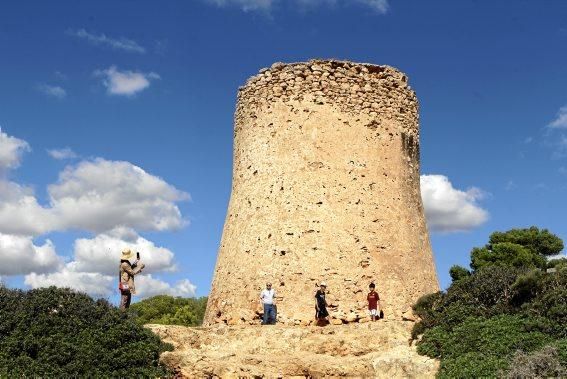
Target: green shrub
x,y
53,332
505,309
168,310
473,364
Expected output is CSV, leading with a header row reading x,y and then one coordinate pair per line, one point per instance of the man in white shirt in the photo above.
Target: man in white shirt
x,y
268,300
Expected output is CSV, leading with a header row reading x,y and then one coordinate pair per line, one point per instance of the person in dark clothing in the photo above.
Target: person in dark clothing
x,y
321,313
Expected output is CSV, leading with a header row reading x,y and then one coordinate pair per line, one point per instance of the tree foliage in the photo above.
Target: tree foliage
x,y
505,309
538,241
169,310
53,332
458,272
526,248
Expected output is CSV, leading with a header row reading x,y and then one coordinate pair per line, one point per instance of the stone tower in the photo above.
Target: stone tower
x,y
325,188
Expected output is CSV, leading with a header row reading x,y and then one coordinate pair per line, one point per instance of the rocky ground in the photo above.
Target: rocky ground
x,y
367,350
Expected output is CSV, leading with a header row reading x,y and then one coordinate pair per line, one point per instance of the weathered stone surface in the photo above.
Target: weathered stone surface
x,y
372,350
325,188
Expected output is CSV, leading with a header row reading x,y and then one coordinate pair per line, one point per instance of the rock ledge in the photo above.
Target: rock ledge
x,y
370,350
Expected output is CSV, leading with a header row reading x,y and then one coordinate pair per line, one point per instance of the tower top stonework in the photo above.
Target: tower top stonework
x,y
325,187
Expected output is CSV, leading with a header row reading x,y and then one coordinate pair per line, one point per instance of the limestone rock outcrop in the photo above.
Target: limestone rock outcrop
x,y
325,188
369,350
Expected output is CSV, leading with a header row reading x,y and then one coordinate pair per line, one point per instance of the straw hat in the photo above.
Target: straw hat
x,y
126,254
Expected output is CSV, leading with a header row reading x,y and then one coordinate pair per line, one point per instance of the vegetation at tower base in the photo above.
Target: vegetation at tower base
x,y
506,317
169,310
53,332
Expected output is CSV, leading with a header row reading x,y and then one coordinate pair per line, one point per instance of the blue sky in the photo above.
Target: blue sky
x,y
141,95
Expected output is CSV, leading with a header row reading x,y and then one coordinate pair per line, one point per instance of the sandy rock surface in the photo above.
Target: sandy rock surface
x,y
370,350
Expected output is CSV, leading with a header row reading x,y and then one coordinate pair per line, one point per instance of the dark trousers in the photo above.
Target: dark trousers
x,y
270,314
125,299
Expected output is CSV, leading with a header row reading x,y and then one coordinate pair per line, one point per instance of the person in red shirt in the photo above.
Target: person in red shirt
x,y
373,302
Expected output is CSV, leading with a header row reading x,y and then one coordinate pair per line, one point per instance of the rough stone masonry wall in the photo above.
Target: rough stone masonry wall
x,y
325,188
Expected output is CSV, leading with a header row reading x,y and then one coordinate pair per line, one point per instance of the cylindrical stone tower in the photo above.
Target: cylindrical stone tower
x,y
325,188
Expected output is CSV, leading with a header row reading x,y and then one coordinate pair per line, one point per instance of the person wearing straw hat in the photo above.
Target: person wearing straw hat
x,y
126,278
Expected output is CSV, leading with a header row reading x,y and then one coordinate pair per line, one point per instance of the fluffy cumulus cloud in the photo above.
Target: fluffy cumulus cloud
x,y
62,154
100,195
147,286
100,254
53,91
20,213
11,150
121,43
112,199
125,83
19,255
448,209
96,196
379,6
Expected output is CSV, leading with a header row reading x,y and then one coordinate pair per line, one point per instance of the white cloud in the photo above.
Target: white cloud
x,y
19,255
62,154
101,195
122,43
147,286
102,253
54,91
11,150
96,196
560,121
20,213
108,197
380,6
448,209
125,83
94,284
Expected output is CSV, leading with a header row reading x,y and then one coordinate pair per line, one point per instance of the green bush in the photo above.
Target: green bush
x,y
168,310
53,332
473,364
506,308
